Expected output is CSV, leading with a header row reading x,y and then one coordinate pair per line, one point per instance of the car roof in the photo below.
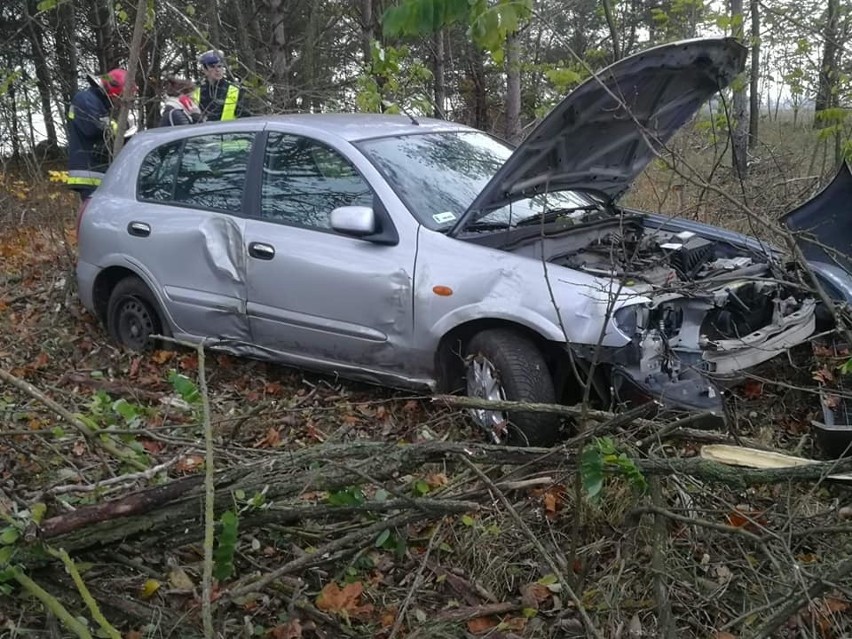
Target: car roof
x,y
347,126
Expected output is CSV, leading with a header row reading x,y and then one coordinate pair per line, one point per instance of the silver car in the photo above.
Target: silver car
x,y
427,255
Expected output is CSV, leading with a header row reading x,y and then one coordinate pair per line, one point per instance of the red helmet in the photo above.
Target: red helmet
x,y
113,82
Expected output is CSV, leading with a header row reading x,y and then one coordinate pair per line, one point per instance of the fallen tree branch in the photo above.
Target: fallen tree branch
x,y
107,444
173,510
472,612
121,479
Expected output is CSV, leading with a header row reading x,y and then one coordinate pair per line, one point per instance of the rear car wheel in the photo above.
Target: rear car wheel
x,y
132,315
503,364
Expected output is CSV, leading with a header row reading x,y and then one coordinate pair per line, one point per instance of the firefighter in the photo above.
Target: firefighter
x,y
90,130
218,98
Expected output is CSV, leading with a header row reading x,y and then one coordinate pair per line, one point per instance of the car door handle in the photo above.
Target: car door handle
x,y
139,229
261,251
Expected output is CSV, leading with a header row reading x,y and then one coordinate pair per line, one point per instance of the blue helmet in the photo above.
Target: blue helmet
x,y
211,58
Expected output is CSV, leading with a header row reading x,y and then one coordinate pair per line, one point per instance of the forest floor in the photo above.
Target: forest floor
x,y
349,537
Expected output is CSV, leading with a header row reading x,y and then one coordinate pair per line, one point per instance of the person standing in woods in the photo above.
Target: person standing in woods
x,y
219,98
90,130
179,108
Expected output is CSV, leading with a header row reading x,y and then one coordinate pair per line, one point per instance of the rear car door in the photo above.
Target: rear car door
x,y
189,233
314,293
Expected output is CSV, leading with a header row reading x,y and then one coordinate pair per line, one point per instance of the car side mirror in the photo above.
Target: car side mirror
x,y
357,221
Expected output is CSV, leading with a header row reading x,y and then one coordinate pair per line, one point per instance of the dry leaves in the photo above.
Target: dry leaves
x,y
479,625
290,630
345,601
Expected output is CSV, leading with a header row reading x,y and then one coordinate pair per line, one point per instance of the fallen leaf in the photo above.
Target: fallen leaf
x,y
149,588
752,389
343,601
79,448
533,595
387,618
479,625
179,580
272,439
133,634
189,464
553,499
152,446
290,630
436,480
161,357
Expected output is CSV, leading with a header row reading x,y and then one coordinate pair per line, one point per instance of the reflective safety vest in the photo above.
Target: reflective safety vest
x,y
229,108
84,178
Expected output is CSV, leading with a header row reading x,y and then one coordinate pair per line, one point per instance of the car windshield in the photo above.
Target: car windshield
x,y
438,175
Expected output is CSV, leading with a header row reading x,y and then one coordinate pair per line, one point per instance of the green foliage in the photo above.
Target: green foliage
x,y
421,17
223,555
846,367
394,82
599,458
489,22
184,387
47,5
351,496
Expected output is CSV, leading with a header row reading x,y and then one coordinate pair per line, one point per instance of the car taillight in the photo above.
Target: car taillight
x,y
80,212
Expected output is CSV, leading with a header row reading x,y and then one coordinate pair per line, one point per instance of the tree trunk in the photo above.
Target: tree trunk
x,y
214,33
754,85
476,97
14,123
280,57
132,68
103,22
440,88
66,50
613,30
513,87
739,133
43,80
826,88
367,34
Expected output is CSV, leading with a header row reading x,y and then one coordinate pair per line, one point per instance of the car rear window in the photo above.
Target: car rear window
x,y
206,171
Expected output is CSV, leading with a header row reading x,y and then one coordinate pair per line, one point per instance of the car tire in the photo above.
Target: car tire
x,y
521,374
133,315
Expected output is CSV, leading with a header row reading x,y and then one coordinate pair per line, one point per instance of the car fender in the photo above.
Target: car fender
x,y
473,312
139,270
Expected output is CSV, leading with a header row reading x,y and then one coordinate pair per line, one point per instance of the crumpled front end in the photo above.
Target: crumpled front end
x,y
684,348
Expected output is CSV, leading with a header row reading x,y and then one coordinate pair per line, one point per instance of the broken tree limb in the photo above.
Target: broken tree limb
x,y
174,510
107,444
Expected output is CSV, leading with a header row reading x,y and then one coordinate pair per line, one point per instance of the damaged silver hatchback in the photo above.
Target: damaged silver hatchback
x,y
428,255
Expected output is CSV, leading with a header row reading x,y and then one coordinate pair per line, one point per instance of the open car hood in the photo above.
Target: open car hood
x,y
606,131
823,224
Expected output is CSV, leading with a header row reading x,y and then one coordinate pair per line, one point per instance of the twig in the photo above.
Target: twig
x,y
90,602
584,616
658,560
209,498
85,431
472,612
418,578
128,478
52,604
798,598
356,537
703,523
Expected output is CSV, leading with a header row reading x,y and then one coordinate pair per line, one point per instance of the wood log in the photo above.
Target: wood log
x,y
174,511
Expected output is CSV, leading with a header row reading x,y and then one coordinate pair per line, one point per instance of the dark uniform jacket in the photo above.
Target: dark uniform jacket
x,y
89,129
223,100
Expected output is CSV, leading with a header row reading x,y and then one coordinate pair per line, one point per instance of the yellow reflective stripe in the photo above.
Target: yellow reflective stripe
x,y
229,110
113,125
83,181
71,112
196,95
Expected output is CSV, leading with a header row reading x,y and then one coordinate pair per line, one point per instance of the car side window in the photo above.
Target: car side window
x,y
206,171
157,173
304,180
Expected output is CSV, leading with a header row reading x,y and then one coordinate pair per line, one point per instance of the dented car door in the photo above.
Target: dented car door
x,y
315,294
191,237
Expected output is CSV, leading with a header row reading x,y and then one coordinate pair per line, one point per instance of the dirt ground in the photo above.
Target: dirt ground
x,y
676,554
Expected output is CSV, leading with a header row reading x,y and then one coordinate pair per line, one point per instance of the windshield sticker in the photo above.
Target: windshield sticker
x,y
441,218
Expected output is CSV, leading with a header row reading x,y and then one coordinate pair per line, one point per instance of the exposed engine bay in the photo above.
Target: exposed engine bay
x,y
715,308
